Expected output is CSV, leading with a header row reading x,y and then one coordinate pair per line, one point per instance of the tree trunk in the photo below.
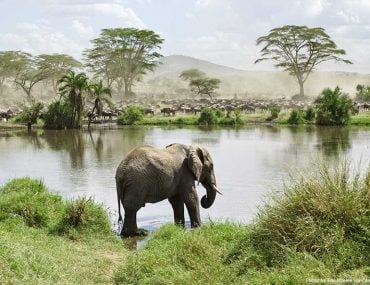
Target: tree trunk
x,y
301,89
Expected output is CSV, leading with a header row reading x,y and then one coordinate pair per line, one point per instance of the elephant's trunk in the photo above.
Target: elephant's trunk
x,y
208,199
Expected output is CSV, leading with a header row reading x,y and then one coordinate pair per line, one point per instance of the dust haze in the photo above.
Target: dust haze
x,y
164,83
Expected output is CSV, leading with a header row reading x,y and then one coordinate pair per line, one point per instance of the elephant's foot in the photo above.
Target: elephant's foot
x,y
134,233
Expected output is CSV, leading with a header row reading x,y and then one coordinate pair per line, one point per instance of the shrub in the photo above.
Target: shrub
x,y
310,114
130,116
234,119
58,116
275,111
81,216
296,117
208,116
333,107
29,113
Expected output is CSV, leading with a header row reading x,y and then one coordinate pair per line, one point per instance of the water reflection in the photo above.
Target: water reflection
x,y
334,141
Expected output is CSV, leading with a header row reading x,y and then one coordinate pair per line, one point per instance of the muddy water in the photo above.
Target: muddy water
x,y
249,162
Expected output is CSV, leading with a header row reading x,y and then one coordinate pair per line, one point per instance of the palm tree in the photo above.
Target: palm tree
x,y
72,87
99,93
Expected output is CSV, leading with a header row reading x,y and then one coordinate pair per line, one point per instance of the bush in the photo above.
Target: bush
x,y
296,117
275,111
58,116
208,116
29,113
310,114
83,216
333,107
130,116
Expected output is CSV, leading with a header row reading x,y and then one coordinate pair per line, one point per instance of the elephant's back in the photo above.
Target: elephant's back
x,y
146,167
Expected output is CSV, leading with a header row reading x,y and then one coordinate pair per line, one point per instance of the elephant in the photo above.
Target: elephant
x,y
149,175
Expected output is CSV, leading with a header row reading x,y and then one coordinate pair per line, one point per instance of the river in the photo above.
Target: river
x,y
250,162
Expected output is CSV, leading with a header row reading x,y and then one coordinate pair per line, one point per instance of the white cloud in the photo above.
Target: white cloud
x,y
83,30
124,14
203,3
37,39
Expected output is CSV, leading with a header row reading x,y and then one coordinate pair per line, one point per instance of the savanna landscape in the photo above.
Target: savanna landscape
x,y
133,154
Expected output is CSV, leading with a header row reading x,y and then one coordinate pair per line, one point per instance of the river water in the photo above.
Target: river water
x,y
250,162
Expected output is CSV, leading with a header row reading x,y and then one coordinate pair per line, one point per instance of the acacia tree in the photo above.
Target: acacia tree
x,y
123,55
56,65
28,72
298,50
10,63
199,83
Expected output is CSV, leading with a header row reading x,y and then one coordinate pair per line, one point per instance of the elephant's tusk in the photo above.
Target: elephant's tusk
x,y
214,187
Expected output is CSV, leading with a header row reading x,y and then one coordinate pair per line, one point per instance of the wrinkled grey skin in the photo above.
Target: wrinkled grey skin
x,y
150,175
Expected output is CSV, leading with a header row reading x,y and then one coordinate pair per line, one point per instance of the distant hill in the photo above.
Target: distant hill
x,y
171,66
165,80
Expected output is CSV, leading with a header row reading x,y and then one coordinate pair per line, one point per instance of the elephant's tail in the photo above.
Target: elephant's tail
x,y
119,199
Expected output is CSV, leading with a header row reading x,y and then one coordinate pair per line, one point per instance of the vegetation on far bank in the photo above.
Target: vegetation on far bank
x,y
318,227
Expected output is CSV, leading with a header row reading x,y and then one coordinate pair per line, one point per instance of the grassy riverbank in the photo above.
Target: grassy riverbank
x,y
46,240
318,227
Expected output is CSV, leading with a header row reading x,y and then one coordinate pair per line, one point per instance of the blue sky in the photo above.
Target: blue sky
x,y
220,31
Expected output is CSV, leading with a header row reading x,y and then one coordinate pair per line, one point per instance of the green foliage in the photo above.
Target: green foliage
x,y
29,113
58,116
130,116
208,116
310,114
81,217
333,107
71,88
296,117
275,111
363,93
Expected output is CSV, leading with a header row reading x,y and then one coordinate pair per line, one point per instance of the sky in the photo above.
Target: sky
x,y
219,31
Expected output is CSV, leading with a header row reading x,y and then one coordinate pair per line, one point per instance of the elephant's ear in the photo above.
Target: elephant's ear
x,y
195,163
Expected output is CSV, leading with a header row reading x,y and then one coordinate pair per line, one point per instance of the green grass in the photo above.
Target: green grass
x,y
46,240
360,120
176,120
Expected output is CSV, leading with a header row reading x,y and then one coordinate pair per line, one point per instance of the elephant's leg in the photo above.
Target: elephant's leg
x,y
192,204
178,209
129,223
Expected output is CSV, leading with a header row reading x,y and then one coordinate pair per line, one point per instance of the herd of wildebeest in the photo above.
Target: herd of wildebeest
x,y
194,107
